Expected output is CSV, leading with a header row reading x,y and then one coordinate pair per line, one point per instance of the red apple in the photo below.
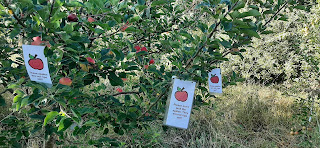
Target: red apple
x,y
90,60
147,114
90,19
37,41
144,49
151,61
124,27
146,66
119,90
74,97
181,95
124,79
35,62
65,81
214,78
72,18
137,48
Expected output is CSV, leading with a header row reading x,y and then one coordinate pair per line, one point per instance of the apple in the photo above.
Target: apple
x,y
90,60
124,79
119,90
90,19
146,66
35,62
72,18
181,95
65,81
37,41
124,27
296,133
137,48
151,61
147,114
74,97
144,49
214,78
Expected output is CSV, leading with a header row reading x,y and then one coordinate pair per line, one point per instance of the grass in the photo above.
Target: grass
x,y
246,115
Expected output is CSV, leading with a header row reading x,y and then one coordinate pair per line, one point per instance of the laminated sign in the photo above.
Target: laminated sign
x,y
36,63
179,104
215,81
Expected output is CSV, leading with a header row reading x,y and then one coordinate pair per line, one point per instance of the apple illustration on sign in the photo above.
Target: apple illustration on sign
x,y
214,78
35,62
181,95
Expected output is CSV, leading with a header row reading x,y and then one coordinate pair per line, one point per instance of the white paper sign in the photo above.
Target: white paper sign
x,y
215,81
36,63
180,105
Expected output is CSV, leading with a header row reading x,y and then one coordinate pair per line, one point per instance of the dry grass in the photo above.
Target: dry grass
x,y
245,116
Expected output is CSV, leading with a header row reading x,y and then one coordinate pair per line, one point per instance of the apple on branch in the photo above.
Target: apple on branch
x,y
72,18
37,41
151,61
90,19
65,81
90,60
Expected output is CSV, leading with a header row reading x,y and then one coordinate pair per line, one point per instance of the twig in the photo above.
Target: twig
x,y
14,15
6,116
50,14
275,14
125,93
163,93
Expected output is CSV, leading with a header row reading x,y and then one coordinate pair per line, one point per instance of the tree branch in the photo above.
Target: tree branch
x,y
50,14
14,15
126,93
275,14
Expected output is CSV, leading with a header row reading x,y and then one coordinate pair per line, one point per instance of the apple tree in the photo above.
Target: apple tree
x,y
96,46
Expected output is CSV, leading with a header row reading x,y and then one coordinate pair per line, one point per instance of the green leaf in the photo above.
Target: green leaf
x,y
141,2
114,79
160,2
2,101
300,7
252,12
24,101
31,56
240,5
251,33
50,116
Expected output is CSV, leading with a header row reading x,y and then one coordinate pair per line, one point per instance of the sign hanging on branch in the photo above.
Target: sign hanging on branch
x,y
179,103
215,81
36,63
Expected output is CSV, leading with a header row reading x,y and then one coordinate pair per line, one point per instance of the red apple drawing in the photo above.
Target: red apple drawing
x,y
181,95
35,62
214,78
